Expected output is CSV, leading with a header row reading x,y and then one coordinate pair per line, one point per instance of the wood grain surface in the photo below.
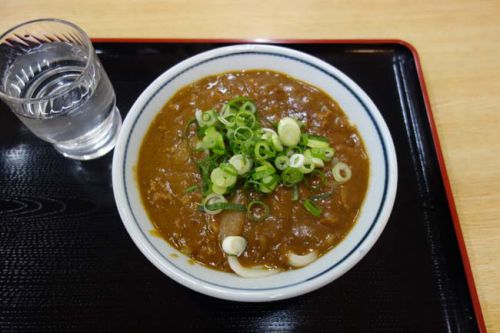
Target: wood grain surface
x,y
458,42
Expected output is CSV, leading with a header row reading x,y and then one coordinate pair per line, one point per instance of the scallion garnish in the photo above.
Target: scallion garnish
x,y
341,172
211,200
191,189
312,208
242,134
282,162
321,196
241,153
291,176
257,211
295,192
226,206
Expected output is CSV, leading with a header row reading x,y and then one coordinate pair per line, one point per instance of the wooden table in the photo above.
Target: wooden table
x,y
459,45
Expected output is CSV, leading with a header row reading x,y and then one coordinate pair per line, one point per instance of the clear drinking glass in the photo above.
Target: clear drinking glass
x,y
53,81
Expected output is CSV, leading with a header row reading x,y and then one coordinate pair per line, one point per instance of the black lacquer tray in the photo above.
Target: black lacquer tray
x,y
67,263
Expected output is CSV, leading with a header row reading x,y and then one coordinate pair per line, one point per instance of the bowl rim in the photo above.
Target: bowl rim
x,y
241,294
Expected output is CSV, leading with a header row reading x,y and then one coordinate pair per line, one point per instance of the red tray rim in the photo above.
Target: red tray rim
x,y
449,194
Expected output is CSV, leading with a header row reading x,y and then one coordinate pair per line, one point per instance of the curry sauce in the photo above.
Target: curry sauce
x,y
166,169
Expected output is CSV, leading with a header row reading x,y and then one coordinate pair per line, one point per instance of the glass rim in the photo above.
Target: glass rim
x,y
90,58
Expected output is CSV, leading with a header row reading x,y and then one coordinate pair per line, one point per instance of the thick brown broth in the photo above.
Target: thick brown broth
x,y
165,170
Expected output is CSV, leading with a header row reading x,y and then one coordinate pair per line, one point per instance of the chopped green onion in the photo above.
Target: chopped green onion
x,y
314,141
269,183
237,102
239,150
289,131
265,178
226,206
295,192
263,151
293,150
242,163
267,133
291,176
210,200
245,118
329,152
324,154
248,106
242,134
297,161
205,166
271,180
229,169
317,138
321,196
276,142
282,162
263,171
303,139
191,189
257,210
341,172
271,136
200,131
307,166
224,176
227,119
207,118
227,110
317,143
214,141
218,189
318,162
312,208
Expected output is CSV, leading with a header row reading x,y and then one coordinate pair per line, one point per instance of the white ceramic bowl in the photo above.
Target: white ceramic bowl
x,y
356,104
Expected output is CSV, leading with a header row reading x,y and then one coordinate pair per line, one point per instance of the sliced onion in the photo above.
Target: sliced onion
x,y
296,260
252,272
